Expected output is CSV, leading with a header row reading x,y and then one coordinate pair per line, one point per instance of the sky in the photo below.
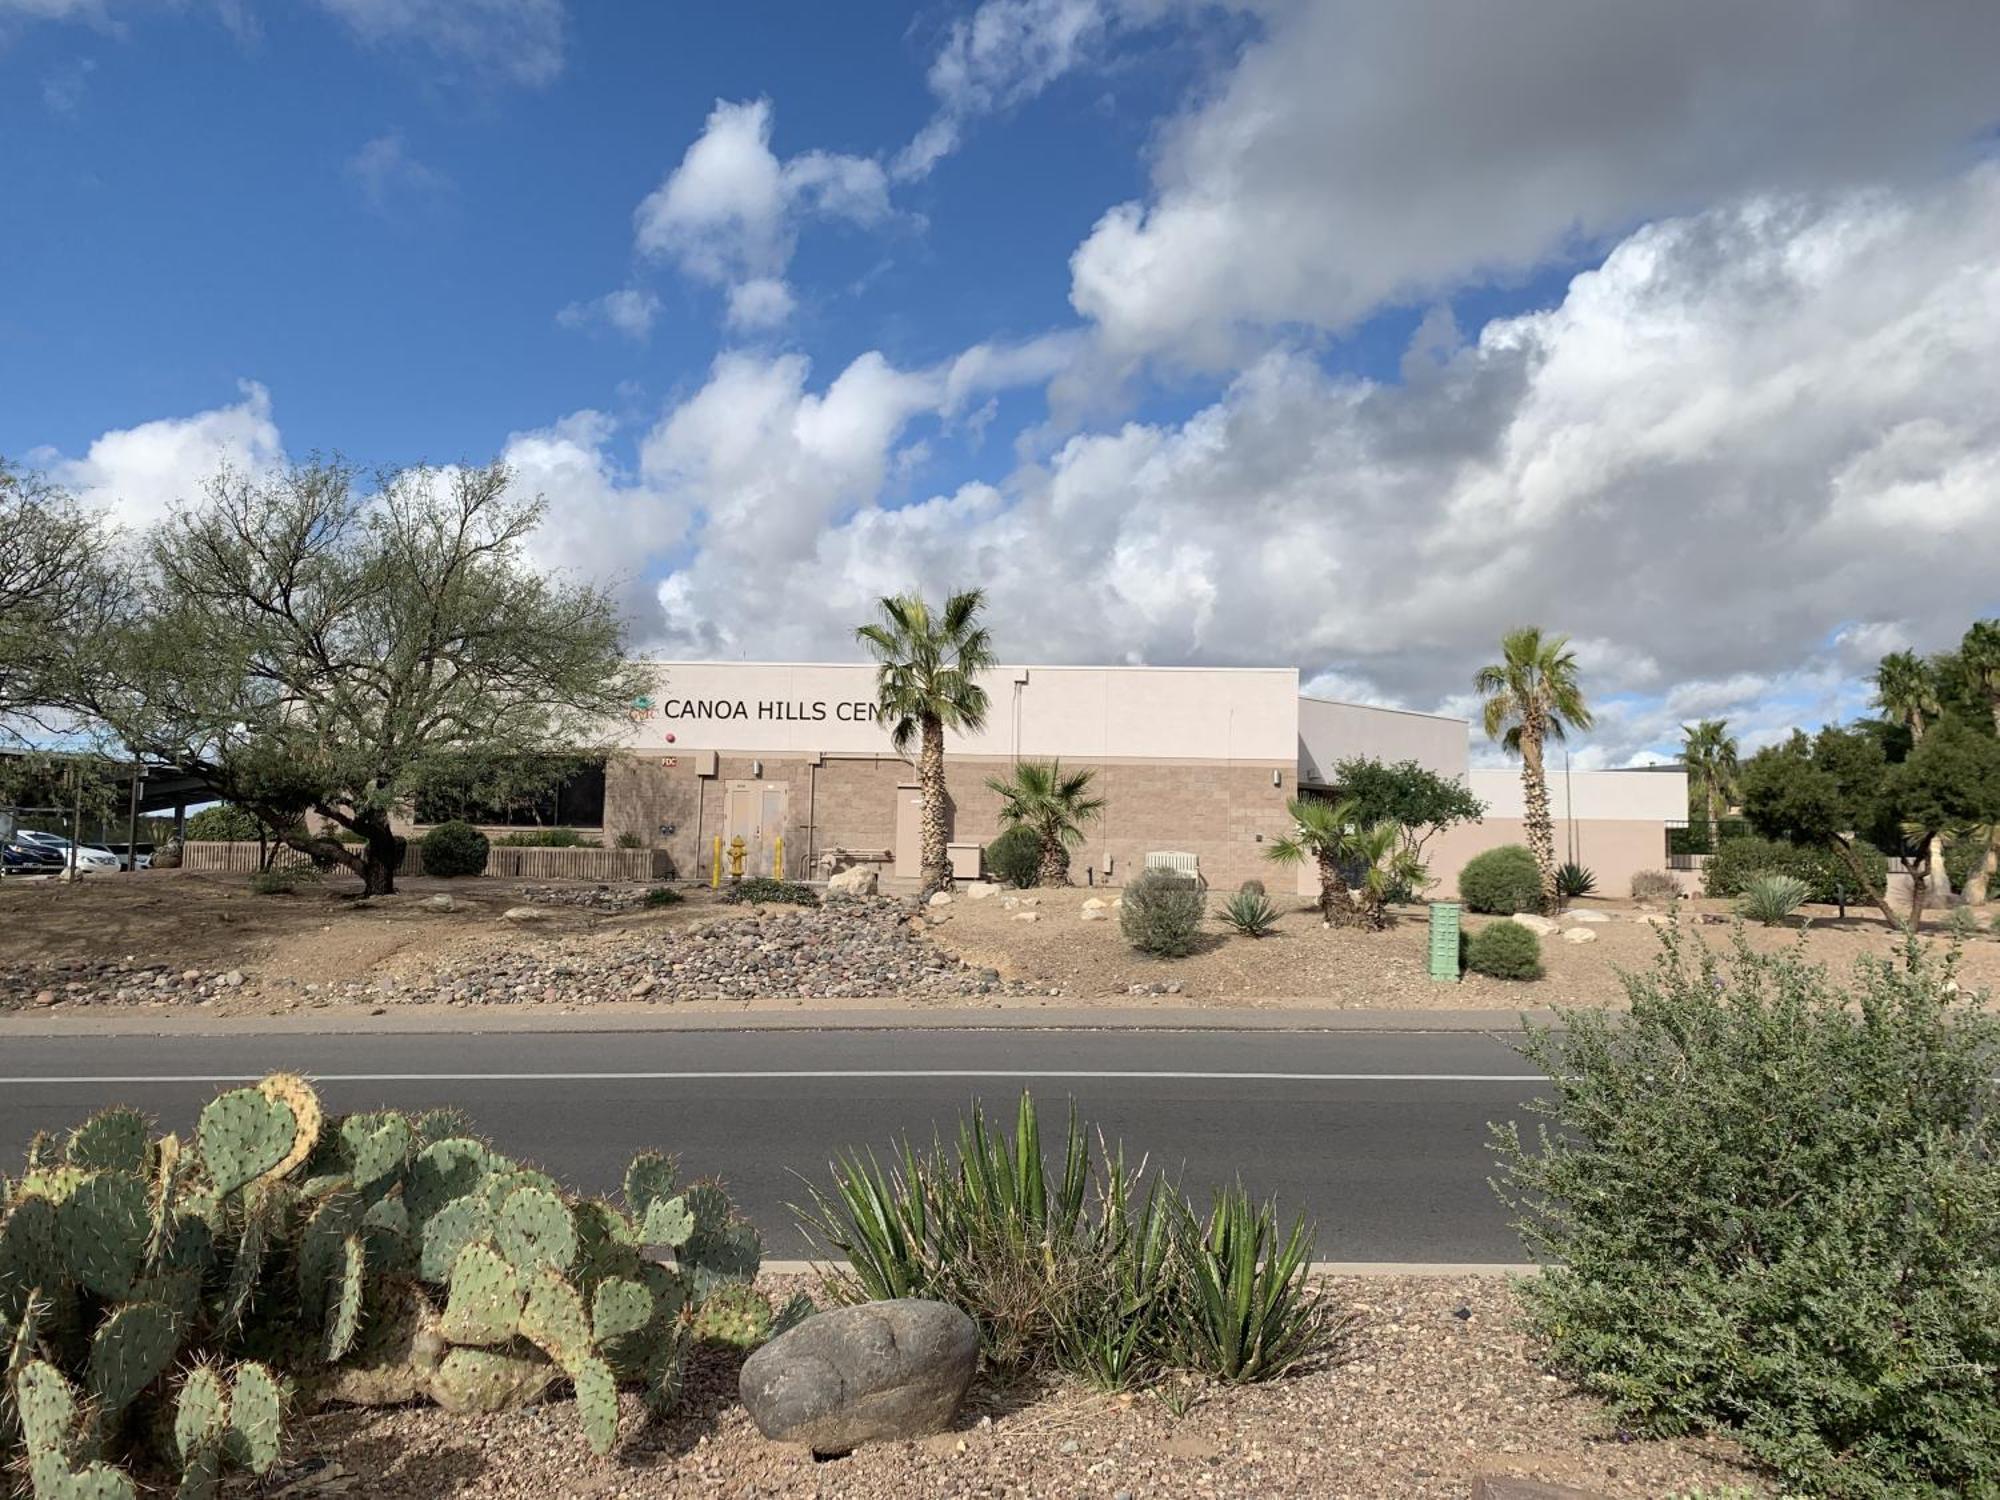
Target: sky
x,y
1319,333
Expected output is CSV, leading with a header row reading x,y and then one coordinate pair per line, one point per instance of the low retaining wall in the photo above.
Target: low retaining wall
x,y
504,862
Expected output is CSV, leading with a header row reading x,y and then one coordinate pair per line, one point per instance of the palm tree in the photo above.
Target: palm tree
x,y
1055,803
1979,658
1532,697
1329,834
1906,689
927,681
1708,750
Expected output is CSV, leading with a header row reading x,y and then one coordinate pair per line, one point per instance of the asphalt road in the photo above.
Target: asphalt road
x,y
1379,1136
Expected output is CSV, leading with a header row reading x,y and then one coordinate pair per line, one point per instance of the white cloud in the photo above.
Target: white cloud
x,y
138,474
1362,153
630,311
389,179
730,212
512,41
1750,449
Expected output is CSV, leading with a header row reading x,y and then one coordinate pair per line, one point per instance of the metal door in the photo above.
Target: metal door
x,y
756,812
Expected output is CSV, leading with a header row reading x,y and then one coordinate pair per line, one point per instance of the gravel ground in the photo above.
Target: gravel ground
x,y
1433,1390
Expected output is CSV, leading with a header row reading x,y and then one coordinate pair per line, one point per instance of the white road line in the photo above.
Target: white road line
x,y
799,1074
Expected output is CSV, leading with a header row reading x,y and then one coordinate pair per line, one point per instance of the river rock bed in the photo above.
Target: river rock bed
x,y
110,982
845,950
585,898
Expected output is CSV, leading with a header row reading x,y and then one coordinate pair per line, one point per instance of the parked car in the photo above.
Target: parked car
x,y
89,859
28,859
145,854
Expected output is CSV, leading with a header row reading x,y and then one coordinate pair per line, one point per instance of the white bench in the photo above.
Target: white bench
x,y
1185,865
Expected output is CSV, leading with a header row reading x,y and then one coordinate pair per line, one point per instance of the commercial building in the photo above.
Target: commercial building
x,y
1201,761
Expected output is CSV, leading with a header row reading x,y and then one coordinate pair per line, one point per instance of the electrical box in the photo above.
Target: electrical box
x,y
1444,941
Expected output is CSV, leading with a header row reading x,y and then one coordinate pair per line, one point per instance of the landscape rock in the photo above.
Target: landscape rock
x,y
856,880
940,898
883,1371
439,902
1095,903
1027,916
1092,913
527,915
1507,1487
1578,935
1540,926
979,890
1588,916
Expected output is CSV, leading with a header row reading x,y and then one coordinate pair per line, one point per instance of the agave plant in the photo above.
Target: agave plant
x,y
1770,899
1573,880
1250,913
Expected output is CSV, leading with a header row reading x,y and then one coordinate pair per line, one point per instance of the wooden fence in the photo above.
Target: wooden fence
x,y
503,862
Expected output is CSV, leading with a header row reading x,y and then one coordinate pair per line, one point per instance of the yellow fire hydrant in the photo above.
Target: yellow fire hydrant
x,y
737,851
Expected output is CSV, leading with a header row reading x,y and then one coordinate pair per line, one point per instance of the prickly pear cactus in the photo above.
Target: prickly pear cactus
x,y
115,1140
737,1315
245,1135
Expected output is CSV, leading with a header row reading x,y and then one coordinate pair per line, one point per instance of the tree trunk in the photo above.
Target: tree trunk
x,y
1919,870
1336,901
930,784
1844,851
1054,868
1980,881
1540,826
1940,878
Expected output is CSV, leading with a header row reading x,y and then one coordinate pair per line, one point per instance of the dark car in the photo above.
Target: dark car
x,y
19,858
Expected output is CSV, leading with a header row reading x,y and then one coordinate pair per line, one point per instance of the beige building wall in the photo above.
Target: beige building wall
x,y
1331,732
1618,823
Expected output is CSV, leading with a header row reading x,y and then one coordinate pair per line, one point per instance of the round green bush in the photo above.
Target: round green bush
x,y
223,823
1504,950
453,849
1015,858
1739,861
1502,881
1162,913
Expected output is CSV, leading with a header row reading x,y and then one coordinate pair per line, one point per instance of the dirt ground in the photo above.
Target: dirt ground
x,y
323,945
1432,1390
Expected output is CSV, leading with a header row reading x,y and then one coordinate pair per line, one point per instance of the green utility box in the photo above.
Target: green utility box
x,y
1444,941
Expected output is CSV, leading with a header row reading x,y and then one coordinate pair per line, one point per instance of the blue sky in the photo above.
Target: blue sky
x,y
1308,331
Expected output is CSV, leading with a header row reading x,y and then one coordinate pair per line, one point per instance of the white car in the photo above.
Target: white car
x,y
89,860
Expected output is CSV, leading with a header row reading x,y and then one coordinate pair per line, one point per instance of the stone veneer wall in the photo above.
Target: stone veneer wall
x,y
1225,814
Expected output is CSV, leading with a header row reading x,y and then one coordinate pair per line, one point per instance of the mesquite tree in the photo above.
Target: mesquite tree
x,y
1531,697
311,649
56,593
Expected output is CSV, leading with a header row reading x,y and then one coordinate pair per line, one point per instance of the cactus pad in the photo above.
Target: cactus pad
x,y
443,1171
668,1222
296,1095
28,1246
201,1412
245,1135
484,1306
621,1312
596,1403
256,1418
490,1380
650,1176
553,1317
734,1314
793,1313
130,1350
45,1406
376,1146
115,1139
51,1478
343,1300
101,1232
533,1228
449,1231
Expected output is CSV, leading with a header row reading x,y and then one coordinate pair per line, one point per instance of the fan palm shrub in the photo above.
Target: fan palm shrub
x,y
1530,697
1328,834
928,664
1054,805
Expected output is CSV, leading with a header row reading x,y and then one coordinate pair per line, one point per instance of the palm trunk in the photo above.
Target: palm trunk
x,y
936,869
1919,888
1940,878
1540,826
1054,868
1336,901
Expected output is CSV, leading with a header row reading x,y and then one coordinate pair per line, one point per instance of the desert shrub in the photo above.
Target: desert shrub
x,y
1770,899
547,838
1573,880
1072,1263
1740,860
455,849
1161,914
664,895
1015,857
1504,950
282,880
1962,922
1502,881
630,840
762,890
168,1302
224,823
1655,885
1768,1204
1256,886
1250,913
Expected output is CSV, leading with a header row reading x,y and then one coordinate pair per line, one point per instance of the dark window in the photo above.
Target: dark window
x,y
576,801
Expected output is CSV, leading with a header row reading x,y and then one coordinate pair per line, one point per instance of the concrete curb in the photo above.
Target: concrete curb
x,y
421,1020
1429,1269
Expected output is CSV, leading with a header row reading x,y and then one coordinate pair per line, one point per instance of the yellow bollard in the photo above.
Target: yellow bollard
x,y
778,858
715,870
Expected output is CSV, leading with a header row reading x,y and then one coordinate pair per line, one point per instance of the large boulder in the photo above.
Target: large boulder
x,y
856,880
879,1372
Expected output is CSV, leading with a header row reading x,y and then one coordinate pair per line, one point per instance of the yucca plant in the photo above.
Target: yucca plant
x,y
1573,880
1250,913
1245,1313
1770,899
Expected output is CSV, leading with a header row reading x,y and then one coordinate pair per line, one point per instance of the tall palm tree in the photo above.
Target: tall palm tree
x,y
927,681
1979,658
1332,837
1055,804
1906,689
1531,696
1708,750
